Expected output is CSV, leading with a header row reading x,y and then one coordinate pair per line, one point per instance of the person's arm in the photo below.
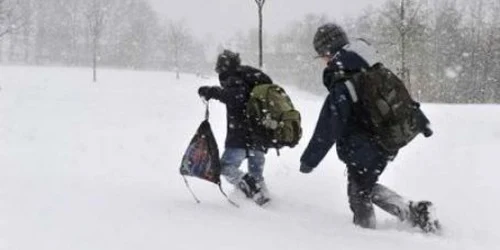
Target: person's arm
x,y
230,96
330,126
235,94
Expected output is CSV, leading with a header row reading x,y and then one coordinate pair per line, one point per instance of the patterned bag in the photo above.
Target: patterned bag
x,y
201,158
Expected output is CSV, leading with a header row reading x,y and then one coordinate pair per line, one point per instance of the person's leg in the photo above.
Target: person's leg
x,y
256,160
391,202
359,188
365,163
230,163
418,213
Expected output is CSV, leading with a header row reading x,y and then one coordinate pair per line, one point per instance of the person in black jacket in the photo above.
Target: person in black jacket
x,y
236,82
339,122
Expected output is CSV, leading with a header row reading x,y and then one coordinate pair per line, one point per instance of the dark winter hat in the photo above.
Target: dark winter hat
x,y
329,39
227,61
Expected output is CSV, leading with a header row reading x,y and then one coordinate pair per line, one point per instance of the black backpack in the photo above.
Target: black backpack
x,y
389,112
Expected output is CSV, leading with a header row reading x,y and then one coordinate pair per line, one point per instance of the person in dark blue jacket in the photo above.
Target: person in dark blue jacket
x,y
339,122
236,82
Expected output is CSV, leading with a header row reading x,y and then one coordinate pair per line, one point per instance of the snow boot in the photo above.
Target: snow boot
x,y
423,215
262,197
419,213
252,190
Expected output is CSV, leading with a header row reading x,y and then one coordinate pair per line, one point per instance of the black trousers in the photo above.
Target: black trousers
x,y
364,192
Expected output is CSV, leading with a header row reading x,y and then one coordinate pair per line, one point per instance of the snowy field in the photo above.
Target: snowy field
x,y
94,166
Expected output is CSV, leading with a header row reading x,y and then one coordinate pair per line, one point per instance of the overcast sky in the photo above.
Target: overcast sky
x,y
222,18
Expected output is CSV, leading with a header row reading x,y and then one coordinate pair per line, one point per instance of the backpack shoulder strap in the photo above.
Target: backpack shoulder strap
x,y
352,91
353,82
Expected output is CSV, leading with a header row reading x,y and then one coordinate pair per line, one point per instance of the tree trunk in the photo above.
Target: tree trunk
x,y
403,32
177,74
26,43
94,58
260,6
260,37
12,48
1,50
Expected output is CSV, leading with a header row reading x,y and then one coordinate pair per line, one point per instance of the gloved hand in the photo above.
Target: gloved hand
x,y
205,92
428,131
304,168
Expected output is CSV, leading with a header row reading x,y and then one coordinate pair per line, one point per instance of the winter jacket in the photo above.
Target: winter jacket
x,y
235,92
337,121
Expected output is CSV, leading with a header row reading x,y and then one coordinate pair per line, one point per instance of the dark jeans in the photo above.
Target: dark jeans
x,y
365,161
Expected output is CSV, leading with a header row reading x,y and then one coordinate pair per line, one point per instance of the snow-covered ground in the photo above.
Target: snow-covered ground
x,y
94,166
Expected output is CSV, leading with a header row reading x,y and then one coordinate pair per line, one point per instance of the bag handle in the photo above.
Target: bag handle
x,y
207,112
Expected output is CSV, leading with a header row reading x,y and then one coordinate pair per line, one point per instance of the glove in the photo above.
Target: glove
x,y
305,168
205,92
427,131
424,124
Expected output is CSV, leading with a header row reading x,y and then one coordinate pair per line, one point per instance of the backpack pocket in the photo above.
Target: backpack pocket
x,y
289,130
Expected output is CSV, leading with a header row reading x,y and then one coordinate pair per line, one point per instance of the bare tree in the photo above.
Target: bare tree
x,y
494,74
96,16
11,21
291,60
405,22
28,28
260,6
179,41
10,17
447,46
405,26
403,30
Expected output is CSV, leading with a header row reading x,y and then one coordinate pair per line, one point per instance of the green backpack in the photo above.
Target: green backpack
x,y
392,115
274,122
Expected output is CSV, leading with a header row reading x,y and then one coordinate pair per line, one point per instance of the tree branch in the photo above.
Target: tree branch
x,y
413,17
260,3
12,21
5,32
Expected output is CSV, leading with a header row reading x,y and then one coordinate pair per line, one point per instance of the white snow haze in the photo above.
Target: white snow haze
x,y
223,18
95,166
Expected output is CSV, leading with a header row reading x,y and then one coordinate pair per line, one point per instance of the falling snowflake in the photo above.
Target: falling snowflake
x,y
450,73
